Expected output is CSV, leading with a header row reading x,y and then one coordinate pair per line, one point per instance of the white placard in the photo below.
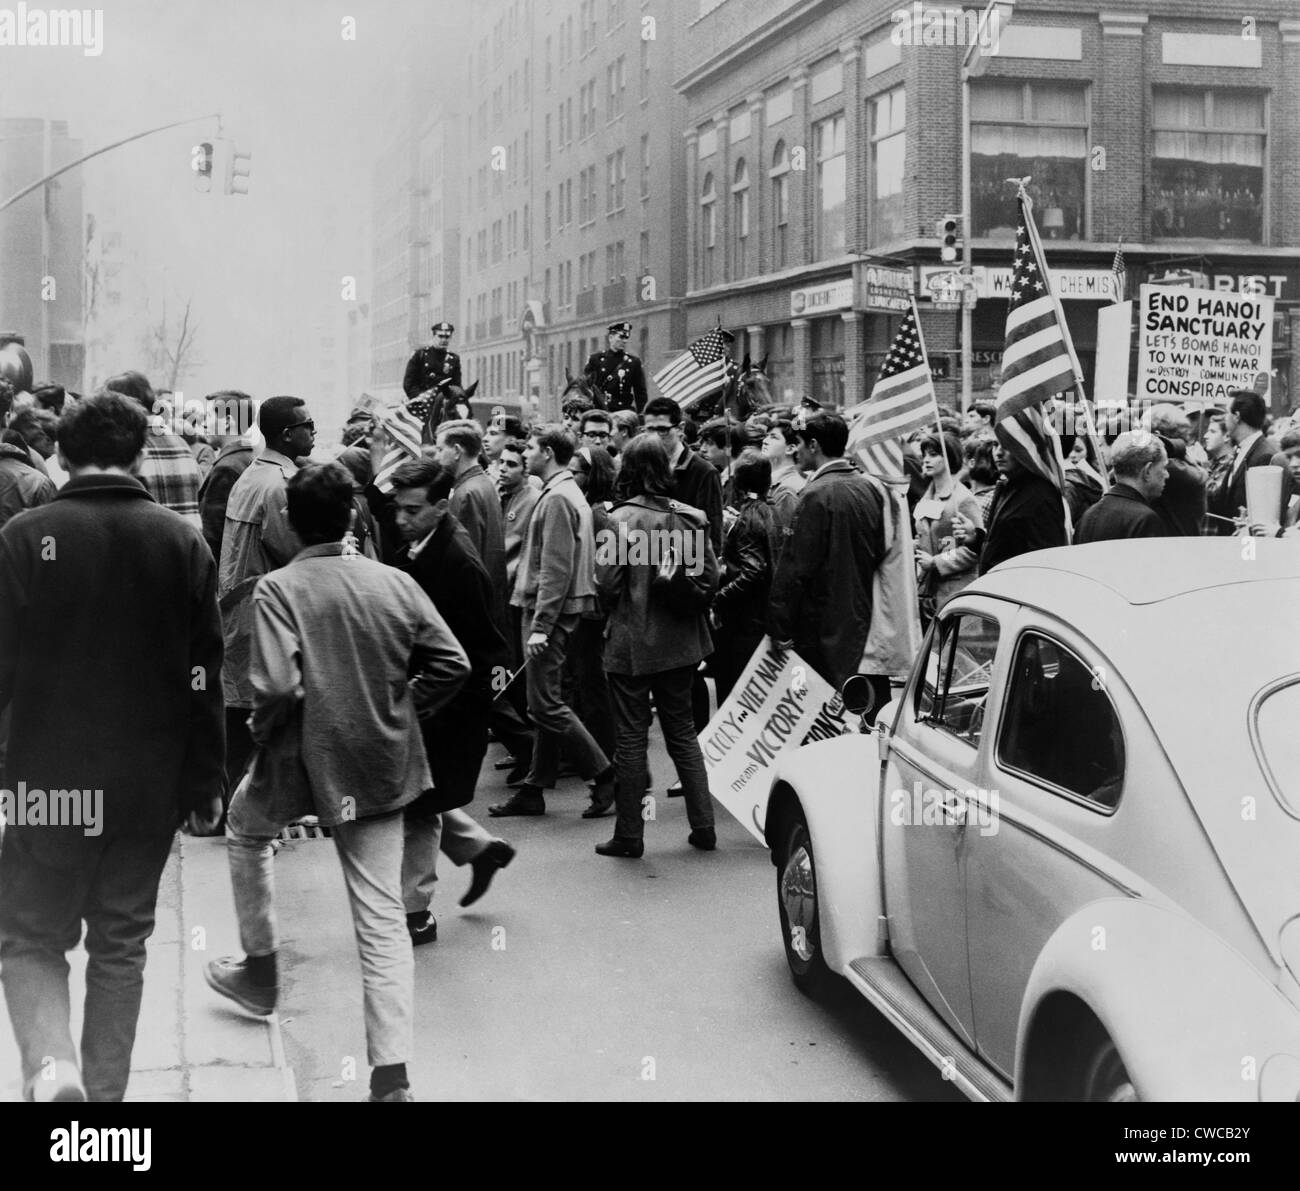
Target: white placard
x,y
1198,344
1114,341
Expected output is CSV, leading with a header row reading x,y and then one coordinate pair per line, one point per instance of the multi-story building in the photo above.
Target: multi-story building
x,y
42,245
821,149
571,213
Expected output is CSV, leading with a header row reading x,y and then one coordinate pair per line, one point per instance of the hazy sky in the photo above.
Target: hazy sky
x,y
313,109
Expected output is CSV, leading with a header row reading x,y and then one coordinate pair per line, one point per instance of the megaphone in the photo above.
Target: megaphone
x,y
15,363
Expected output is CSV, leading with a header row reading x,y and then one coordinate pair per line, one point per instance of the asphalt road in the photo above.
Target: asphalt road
x,y
588,978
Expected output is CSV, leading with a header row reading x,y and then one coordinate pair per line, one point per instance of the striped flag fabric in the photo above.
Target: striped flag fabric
x,y
405,426
699,372
902,401
1038,359
1120,273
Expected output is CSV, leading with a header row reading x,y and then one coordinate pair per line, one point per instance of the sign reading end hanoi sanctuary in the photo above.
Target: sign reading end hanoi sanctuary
x,y
1198,344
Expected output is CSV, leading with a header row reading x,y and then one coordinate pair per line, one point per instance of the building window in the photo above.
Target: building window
x,y
888,146
496,242
547,72
1207,167
528,156
828,144
546,218
526,225
1029,129
482,249
708,229
645,166
615,182
828,360
740,219
645,69
616,88
780,176
546,149
645,254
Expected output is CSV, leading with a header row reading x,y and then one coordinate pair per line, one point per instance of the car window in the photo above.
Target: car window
x,y
1061,727
1277,726
955,683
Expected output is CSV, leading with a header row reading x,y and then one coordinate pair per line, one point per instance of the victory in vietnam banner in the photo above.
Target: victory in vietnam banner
x,y
779,702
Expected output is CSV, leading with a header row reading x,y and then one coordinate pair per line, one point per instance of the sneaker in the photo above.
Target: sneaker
x,y
229,977
422,927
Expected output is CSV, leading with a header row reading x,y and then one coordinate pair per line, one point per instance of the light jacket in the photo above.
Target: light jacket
x,y
954,566
557,567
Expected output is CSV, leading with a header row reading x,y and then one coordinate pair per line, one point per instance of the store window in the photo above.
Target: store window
x,y
888,149
1037,130
828,360
708,229
828,143
779,344
740,219
1207,168
780,182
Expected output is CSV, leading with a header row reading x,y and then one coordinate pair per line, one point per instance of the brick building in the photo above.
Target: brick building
x,y
820,153
571,185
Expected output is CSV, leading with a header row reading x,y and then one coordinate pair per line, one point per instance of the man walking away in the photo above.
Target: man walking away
x,y
110,648
1126,510
335,636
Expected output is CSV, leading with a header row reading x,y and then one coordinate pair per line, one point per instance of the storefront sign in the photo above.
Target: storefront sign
x,y
1088,285
838,295
888,289
779,702
1197,344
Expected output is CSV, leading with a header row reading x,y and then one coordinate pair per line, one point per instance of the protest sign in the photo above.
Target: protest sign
x,y
779,702
1198,344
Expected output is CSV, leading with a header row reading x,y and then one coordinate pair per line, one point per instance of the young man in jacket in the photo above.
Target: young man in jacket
x,y
336,636
555,585
110,650
1027,513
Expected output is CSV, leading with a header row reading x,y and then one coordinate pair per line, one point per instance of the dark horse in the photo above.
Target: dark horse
x,y
580,386
449,402
747,392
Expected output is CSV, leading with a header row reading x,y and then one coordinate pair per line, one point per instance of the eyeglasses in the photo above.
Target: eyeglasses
x,y
309,423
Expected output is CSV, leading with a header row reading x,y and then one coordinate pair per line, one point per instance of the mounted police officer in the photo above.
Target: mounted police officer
x,y
616,373
431,366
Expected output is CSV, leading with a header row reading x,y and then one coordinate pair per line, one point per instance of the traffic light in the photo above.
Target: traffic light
x,y
948,229
238,166
201,163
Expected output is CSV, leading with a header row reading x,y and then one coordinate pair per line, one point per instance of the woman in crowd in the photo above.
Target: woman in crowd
x,y
980,472
942,566
1083,483
652,646
748,560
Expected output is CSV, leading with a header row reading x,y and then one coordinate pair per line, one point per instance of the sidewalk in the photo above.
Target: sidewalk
x,y
191,1045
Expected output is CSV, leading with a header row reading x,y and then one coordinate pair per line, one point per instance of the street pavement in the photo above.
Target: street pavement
x,y
577,977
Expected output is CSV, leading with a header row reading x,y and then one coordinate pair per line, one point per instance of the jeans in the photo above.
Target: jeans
x,y
586,682
370,851
454,832
114,887
672,695
557,725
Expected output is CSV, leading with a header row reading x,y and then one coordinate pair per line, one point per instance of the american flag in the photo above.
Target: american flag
x,y
1120,274
902,401
1038,360
698,372
405,426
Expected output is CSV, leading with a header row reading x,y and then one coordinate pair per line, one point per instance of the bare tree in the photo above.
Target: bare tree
x,y
170,346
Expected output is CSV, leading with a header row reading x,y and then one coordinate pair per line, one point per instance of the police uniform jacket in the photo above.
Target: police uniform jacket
x,y
428,368
620,377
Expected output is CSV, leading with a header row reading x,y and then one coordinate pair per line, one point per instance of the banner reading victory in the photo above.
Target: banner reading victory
x,y
779,702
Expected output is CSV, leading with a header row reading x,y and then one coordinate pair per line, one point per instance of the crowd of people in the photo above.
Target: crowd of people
x,y
240,635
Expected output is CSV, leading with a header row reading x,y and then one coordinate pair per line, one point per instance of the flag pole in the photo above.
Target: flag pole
x,y
1089,426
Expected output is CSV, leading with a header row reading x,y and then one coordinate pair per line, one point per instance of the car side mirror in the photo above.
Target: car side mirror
x,y
858,695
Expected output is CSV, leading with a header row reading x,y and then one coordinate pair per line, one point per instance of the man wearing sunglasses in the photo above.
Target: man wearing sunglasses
x,y
616,373
430,367
257,539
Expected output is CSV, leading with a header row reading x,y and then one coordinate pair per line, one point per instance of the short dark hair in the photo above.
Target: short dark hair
x,y
657,407
829,431
978,456
106,430
320,502
132,384
464,434
50,397
277,414
596,415
716,433
949,445
600,474
627,420
428,474
986,409
786,427
646,470
575,407
226,402
557,440
1249,406
752,472
34,420
518,446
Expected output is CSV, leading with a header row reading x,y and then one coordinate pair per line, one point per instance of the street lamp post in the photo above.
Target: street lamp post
x,y
995,17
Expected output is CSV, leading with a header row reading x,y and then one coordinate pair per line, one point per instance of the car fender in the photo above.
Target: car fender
x,y
1192,1020
837,783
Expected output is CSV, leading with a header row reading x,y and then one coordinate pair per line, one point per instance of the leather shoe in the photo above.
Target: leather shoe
x,y
423,928
505,763
630,848
519,804
675,790
704,838
484,867
597,810
230,977
520,771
